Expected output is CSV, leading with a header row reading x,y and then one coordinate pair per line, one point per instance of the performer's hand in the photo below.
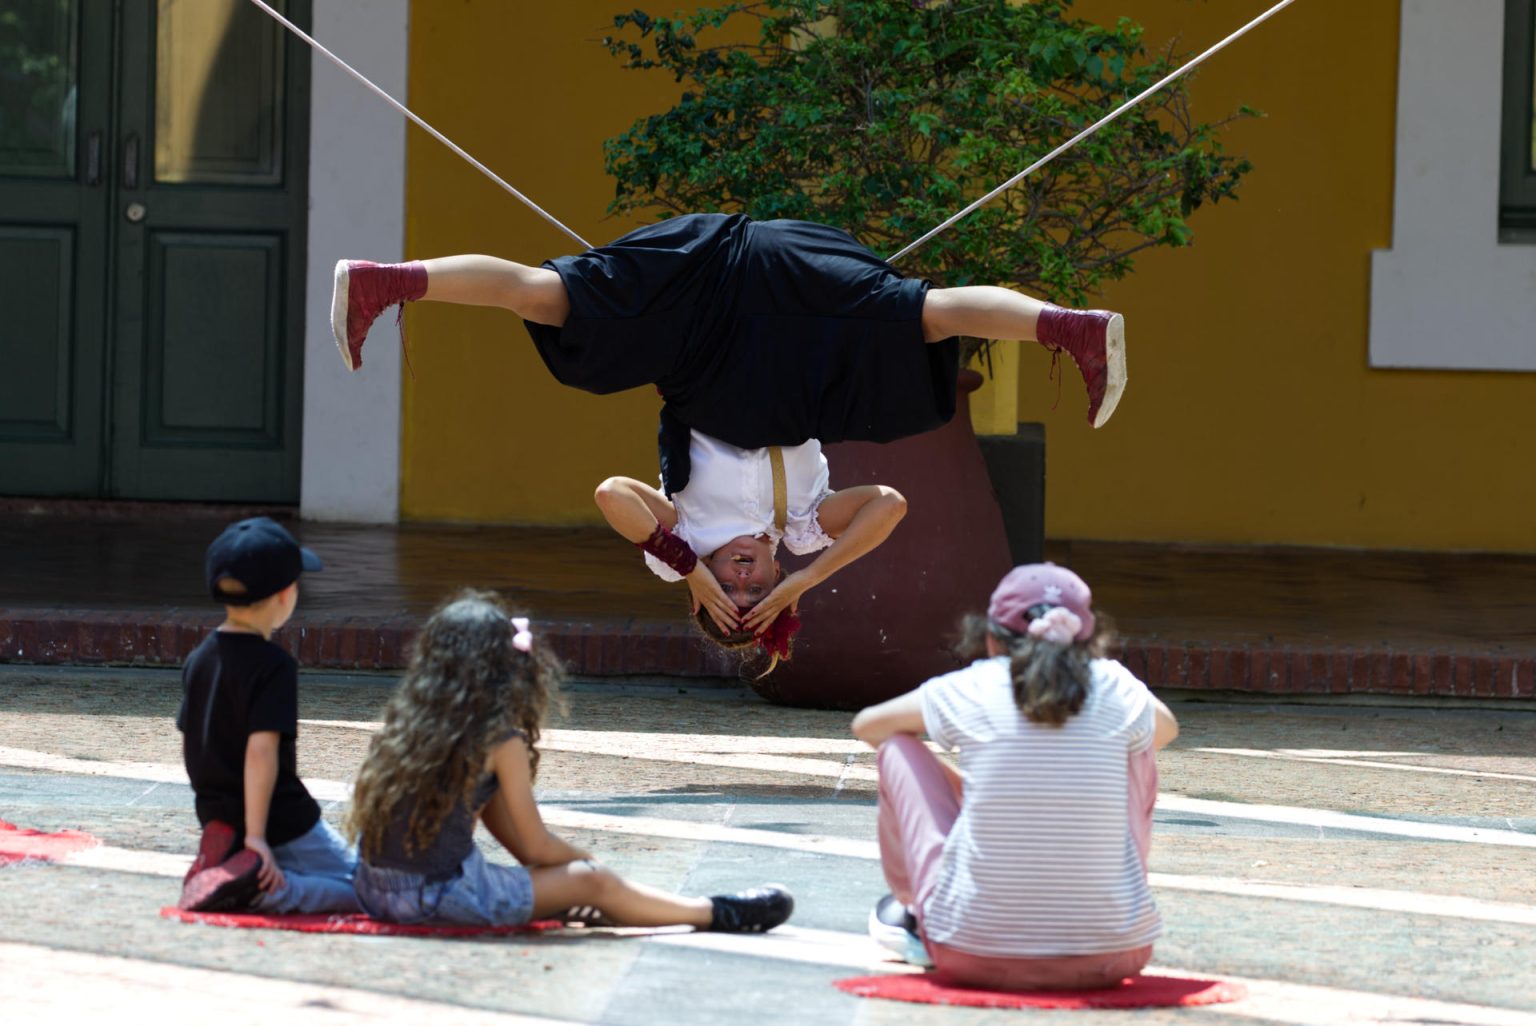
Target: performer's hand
x,y
269,877
785,596
707,593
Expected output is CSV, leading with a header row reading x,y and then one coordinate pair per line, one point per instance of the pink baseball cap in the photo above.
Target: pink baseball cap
x,y
1040,583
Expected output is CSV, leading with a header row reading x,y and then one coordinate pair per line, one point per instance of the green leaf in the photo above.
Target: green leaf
x,y
885,116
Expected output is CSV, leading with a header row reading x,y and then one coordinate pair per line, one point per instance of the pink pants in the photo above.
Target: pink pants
x,y
919,802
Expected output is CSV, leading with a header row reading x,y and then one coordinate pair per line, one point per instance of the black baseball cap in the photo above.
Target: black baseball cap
x,y
259,556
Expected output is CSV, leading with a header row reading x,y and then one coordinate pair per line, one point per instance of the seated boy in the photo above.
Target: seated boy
x,y
264,845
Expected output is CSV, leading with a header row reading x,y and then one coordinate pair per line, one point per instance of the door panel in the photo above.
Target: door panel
x,y
219,92
55,96
39,52
210,263
223,288
153,164
35,392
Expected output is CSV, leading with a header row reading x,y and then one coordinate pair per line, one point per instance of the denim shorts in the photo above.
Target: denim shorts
x,y
483,894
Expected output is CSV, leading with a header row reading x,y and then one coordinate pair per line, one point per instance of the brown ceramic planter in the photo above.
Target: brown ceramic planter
x,y
885,624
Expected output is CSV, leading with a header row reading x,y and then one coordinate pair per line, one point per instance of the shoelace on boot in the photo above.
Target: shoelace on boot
x,y
404,351
1055,374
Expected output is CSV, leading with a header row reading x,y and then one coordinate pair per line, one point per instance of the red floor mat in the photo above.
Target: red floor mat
x,y
1142,992
346,924
19,843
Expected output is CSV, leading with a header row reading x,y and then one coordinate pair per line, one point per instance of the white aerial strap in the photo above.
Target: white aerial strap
x,y
909,247
1085,133
403,109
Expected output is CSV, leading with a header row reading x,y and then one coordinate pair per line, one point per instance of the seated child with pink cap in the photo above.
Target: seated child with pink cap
x,y
1028,868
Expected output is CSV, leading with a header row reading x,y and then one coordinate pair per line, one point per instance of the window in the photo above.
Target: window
x,y
1517,165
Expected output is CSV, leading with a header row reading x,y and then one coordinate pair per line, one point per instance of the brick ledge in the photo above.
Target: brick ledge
x,y
666,648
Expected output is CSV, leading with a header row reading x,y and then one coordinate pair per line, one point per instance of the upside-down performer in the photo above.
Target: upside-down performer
x,y
758,335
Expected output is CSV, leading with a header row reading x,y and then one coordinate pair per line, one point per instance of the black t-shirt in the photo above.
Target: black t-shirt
x,y
235,685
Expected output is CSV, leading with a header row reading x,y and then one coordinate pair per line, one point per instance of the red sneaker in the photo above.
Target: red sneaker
x,y
363,291
1095,339
217,844
228,887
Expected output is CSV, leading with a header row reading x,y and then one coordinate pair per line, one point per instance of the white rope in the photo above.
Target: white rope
x,y
1085,133
403,109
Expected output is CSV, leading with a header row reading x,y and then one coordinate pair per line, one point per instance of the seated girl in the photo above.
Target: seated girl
x,y
459,745
1028,868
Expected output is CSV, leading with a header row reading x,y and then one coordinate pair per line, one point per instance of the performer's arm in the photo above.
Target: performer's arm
x,y
634,510
859,519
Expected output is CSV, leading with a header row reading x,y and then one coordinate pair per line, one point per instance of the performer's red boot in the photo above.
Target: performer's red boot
x,y
1095,339
363,291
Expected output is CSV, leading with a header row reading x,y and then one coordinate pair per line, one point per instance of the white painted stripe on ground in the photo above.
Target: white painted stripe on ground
x,y
46,985
1300,1004
128,860
692,830
1377,899
327,790
1271,1001
159,772
1448,906
150,863
1327,759
623,742
1268,1001
801,944
1329,820
768,754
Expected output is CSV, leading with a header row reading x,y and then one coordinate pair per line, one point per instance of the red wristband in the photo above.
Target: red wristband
x,y
671,550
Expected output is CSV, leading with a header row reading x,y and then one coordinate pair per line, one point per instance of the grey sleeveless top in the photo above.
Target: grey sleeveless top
x,y
441,859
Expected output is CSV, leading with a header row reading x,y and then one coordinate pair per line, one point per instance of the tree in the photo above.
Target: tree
x,y
883,117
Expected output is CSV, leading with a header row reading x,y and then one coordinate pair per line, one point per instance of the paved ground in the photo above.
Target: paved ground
x,y
1352,864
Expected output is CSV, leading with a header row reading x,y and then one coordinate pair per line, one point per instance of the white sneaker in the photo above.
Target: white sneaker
x,y
893,926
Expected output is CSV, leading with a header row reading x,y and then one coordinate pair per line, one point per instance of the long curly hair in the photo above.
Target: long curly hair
x,y
465,690
1050,681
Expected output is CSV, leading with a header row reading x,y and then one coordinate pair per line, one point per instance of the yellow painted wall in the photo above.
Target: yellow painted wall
x,y
1251,416
531,92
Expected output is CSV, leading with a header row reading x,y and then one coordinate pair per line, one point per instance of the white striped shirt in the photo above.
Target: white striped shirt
x,y
1041,861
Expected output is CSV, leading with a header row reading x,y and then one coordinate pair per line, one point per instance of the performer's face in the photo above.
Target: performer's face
x,y
745,568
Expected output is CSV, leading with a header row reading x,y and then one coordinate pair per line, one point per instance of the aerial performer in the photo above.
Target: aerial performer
x,y
766,334
766,339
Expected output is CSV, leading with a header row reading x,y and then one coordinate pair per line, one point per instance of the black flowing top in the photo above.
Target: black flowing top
x,y
757,333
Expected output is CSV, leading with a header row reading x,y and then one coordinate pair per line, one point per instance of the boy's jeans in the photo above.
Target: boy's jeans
x,y
317,868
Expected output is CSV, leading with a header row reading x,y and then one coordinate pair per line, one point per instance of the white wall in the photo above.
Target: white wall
x,y
1447,294
351,467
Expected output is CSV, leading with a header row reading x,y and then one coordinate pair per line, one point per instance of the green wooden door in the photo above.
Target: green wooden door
x,y
55,122
209,258
181,321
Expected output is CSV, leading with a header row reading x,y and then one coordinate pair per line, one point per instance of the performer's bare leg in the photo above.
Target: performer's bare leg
x,y
533,293
980,311
364,290
1095,339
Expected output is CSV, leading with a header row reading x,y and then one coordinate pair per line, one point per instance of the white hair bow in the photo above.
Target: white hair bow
x,y
1059,626
523,639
